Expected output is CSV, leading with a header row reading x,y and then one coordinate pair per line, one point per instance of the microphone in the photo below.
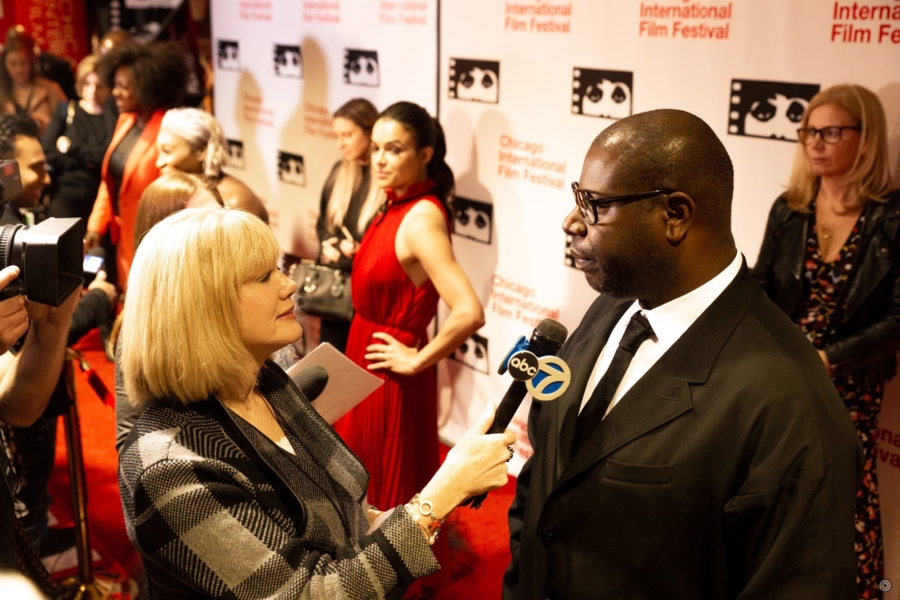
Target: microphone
x,y
547,339
311,381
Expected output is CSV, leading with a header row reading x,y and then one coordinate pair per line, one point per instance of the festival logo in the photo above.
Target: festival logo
x,y
604,94
291,168
236,154
288,61
768,109
473,353
473,219
228,57
475,80
361,67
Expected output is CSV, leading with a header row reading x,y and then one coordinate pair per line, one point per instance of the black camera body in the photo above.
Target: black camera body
x,y
49,255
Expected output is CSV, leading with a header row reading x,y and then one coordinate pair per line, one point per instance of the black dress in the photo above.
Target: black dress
x,y
75,173
335,331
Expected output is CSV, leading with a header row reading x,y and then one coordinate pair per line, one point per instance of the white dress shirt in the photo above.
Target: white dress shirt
x,y
669,321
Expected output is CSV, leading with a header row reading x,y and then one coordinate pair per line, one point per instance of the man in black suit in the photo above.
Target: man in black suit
x,y
701,450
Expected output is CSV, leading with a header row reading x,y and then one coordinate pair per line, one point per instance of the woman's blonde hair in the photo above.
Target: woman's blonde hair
x,y
348,176
201,131
180,335
869,177
87,66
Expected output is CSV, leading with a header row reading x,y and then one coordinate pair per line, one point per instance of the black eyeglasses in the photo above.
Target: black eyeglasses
x,y
830,135
588,204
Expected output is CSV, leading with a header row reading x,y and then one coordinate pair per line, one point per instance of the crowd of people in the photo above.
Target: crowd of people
x,y
710,418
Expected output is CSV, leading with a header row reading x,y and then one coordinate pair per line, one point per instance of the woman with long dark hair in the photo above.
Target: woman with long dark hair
x,y
22,90
403,267
350,199
831,260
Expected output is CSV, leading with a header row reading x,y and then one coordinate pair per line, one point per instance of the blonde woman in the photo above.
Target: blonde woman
x,y
232,485
191,141
349,201
831,260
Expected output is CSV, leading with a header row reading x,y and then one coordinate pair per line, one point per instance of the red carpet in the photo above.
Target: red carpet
x,y
478,538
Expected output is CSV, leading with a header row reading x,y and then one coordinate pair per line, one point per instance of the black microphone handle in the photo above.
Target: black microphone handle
x,y
508,406
504,414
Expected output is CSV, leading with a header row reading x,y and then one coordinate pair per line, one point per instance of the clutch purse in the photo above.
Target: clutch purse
x,y
322,291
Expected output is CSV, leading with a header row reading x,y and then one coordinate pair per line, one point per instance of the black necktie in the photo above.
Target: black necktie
x,y
637,331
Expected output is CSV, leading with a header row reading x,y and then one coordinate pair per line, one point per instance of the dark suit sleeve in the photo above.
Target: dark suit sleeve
x,y
516,515
762,270
789,527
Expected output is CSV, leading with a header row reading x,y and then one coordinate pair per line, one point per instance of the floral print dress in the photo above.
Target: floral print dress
x,y
827,285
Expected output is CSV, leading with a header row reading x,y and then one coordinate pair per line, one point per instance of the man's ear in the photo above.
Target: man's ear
x,y
680,209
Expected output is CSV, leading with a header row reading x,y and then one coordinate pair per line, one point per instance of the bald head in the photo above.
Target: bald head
x,y
674,149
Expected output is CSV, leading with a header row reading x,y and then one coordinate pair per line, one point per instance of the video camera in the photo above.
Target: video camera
x,y
49,255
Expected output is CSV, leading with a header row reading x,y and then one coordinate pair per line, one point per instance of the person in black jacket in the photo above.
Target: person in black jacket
x,y
75,142
830,260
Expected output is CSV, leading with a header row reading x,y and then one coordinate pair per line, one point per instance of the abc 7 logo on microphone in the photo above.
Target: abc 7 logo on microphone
x,y
546,378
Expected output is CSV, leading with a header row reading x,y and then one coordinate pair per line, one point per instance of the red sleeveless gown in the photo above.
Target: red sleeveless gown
x,y
394,430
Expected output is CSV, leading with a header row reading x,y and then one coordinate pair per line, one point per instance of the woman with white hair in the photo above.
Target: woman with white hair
x,y
191,140
232,484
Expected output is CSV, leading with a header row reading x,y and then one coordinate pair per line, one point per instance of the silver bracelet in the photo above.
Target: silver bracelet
x,y
426,509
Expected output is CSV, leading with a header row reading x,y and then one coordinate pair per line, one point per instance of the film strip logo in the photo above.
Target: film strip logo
x,y
291,168
473,353
361,67
768,109
288,61
601,93
475,80
473,219
236,154
228,55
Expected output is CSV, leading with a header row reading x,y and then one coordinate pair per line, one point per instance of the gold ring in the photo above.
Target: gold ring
x,y
511,453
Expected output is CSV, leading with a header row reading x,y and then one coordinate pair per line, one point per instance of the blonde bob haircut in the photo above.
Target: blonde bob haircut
x,y
870,176
201,131
180,336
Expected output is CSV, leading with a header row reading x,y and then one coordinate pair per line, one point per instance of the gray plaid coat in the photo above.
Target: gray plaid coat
x,y
217,510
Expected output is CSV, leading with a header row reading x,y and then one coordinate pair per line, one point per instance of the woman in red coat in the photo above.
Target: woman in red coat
x,y
146,81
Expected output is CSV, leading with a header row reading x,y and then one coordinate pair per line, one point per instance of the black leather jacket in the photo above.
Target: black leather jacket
x,y
868,337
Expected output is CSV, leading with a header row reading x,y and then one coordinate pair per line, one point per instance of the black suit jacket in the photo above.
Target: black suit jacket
x,y
729,470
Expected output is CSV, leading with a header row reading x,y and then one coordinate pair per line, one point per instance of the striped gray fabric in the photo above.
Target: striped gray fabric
x,y
207,519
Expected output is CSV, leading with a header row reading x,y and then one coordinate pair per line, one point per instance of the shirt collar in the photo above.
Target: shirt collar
x,y
670,320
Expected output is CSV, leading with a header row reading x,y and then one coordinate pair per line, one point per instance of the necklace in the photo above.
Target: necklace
x,y
826,232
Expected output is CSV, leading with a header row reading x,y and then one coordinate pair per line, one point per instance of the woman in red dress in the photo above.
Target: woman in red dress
x,y
403,267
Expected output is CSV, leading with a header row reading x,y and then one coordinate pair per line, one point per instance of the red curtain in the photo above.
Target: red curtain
x,y
58,26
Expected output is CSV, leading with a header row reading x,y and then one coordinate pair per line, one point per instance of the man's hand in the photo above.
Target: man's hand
x,y
47,316
13,316
100,283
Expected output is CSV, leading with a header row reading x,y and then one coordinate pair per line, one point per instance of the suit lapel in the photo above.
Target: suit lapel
x,y
664,393
581,356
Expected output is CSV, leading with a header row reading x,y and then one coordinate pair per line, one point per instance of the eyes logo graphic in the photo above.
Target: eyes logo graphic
x,y
768,109
473,353
236,154
228,57
598,93
291,168
361,67
473,219
288,61
475,80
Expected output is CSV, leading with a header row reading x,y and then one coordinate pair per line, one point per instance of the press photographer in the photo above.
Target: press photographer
x,y
41,268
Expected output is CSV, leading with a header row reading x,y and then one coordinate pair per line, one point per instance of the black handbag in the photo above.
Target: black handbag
x,y
322,291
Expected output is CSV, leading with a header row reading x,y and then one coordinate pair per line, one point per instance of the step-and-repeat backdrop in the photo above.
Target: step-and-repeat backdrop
x,y
521,88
